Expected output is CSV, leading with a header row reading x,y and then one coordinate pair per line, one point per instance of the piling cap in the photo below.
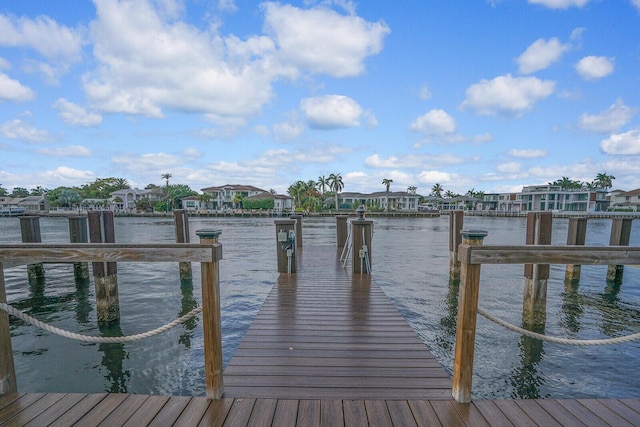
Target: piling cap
x,y
360,211
208,233
474,234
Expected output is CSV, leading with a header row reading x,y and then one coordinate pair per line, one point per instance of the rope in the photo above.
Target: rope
x,y
88,338
557,340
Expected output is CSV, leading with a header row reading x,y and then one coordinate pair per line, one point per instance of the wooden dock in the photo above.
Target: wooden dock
x,y
326,349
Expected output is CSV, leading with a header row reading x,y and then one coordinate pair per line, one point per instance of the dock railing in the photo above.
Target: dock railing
x,y
472,255
208,253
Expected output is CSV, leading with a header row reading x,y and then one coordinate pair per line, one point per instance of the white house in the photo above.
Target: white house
x,y
223,197
625,200
126,198
398,200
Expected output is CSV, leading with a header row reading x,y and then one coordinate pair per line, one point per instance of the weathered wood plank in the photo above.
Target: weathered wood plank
x,y
263,412
400,413
36,408
216,413
171,411
331,413
79,410
492,414
286,413
55,411
240,413
537,413
308,413
423,413
605,412
193,413
146,412
102,410
20,404
124,411
355,413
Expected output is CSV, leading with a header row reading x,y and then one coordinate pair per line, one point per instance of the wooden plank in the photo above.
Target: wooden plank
x,y
556,254
240,413
331,413
79,410
492,414
337,371
263,412
582,413
286,413
36,408
102,410
470,415
423,413
216,413
355,413
514,413
193,413
537,413
378,413
308,413
20,404
147,411
171,411
55,411
400,413
7,399
622,409
447,415
327,380
604,412
347,392
124,411
560,413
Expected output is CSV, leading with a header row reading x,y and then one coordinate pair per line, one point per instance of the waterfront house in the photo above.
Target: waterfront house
x,y
226,196
126,198
34,204
398,200
281,204
625,200
557,199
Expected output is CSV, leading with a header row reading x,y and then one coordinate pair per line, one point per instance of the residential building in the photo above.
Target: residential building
x,y
126,198
556,198
223,197
625,200
398,200
281,204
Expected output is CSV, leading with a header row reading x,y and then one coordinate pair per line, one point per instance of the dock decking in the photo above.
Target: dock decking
x,y
326,349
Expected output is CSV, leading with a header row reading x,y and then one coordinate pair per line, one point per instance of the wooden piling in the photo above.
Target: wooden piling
x,y
298,219
286,245
341,230
361,234
576,235
8,382
78,233
181,222
105,275
620,236
211,323
534,311
456,220
30,231
466,323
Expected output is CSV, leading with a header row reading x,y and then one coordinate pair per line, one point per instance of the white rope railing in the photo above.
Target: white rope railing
x,y
89,338
557,340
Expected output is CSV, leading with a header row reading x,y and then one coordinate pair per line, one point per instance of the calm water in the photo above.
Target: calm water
x,y
410,262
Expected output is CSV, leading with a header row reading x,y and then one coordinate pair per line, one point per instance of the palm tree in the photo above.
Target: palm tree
x,y
336,185
387,182
323,183
412,189
204,199
437,190
166,176
295,190
604,181
450,194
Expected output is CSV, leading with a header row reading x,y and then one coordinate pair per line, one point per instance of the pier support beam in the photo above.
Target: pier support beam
x,y
534,310
620,236
298,219
576,235
181,222
361,234
456,220
8,382
78,233
341,230
286,245
466,324
211,323
105,275
30,231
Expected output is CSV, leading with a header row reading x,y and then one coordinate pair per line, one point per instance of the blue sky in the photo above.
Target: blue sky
x,y
484,95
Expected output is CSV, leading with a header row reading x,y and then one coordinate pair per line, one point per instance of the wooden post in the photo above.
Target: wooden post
x,y
576,235
620,236
456,219
534,311
78,234
298,219
30,230
8,382
211,324
181,221
105,275
341,230
286,245
467,316
361,240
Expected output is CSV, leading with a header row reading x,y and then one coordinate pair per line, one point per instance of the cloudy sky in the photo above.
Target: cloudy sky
x,y
489,95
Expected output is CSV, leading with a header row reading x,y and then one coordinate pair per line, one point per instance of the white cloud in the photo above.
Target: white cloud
x,y
510,167
594,67
560,4
434,122
424,93
412,161
13,90
609,120
636,3
227,5
331,112
76,115
625,143
70,151
24,131
322,41
528,153
4,64
507,95
133,163
287,131
540,54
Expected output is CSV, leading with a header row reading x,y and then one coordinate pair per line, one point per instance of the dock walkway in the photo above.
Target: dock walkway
x,y
326,349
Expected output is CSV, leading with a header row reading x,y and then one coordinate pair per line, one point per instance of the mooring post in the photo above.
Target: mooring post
x,y
361,236
211,323
456,220
105,275
78,234
467,316
341,230
181,222
8,383
534,311
286,245
576,235
30,230
298,219
620,236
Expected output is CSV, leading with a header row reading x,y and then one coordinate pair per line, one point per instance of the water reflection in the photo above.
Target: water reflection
x,y
187,304
83,302
525,379
446,337
113,356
